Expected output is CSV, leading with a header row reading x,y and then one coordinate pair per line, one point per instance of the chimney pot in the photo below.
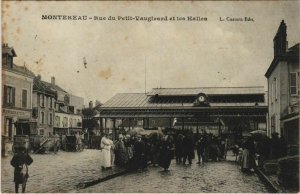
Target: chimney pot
x,y
53,80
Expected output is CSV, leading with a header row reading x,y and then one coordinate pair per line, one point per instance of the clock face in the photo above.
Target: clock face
x,y
201,98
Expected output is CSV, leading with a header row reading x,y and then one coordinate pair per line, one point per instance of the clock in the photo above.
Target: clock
x,y
201,98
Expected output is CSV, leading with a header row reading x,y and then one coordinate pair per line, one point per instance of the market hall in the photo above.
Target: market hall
x,y
233,111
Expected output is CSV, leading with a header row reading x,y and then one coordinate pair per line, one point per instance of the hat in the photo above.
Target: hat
x,y
138,136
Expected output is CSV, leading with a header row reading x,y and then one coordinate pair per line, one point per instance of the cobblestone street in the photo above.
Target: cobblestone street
x,y
64,171
213,177
60,172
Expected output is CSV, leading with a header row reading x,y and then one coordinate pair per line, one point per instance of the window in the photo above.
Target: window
x,y
273,120
24,98
42,119
9,96
140,122
71,122
293,83
65,122
4,60
57,121
41,131
42,100
9,128
275,89
50,118
50,102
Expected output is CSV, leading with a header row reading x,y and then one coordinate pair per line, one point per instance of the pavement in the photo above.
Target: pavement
x,y
61,172
81,172
212,177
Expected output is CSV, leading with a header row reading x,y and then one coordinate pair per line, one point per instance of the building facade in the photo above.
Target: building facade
x,y
43,105
17,85
284,89
68,107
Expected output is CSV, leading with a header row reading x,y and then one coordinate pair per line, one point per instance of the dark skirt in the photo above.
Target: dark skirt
x,y
19,178
165,159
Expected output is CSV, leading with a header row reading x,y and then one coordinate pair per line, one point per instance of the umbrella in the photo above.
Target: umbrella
x,y
258,135
262,132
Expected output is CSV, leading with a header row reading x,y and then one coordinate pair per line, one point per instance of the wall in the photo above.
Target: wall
x,y
77,102
19,82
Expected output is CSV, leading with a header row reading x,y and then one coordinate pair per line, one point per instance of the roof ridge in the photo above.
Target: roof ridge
x,y
213,87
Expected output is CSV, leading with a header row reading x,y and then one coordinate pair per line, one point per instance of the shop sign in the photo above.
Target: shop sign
x,y
16,113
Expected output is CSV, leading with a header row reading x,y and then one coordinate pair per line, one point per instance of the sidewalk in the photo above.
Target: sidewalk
x,y
270,180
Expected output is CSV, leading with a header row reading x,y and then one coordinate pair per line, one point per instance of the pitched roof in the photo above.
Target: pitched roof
x,y
141,100
23,70
55,87
291,54
206,90
39,85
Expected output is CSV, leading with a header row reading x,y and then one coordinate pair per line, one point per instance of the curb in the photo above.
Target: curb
x,y
266,180
102,179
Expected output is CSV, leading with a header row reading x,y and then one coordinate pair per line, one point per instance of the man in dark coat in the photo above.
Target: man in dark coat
x,y
179,148
139,153
200,146
188,148
166,152
20,161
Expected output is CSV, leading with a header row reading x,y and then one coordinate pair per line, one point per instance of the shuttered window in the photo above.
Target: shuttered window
x,y
24,98
293,83
9,96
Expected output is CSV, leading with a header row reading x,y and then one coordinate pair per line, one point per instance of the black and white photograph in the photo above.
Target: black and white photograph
x,y
150,96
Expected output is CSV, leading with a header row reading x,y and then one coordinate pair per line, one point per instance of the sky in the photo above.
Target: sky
x,y
135,56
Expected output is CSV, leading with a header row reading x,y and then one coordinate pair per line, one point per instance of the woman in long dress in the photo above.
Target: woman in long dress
x,y
121,157
248,161
166,152
106,145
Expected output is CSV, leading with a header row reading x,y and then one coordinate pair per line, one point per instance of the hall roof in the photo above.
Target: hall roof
x,y
141,100
207,91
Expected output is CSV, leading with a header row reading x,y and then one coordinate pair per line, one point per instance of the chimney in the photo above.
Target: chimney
x,y
39,77
91,104
279,41
53,81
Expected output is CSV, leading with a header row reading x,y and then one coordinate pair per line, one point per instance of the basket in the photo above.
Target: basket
x,y
21,142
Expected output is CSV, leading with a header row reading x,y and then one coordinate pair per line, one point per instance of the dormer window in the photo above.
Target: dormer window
x,y
7,60
7,56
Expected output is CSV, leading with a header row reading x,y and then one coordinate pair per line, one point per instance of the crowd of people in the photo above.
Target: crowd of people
x,y
264,147
137,152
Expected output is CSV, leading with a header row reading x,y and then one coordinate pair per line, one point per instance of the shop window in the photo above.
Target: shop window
x,y
24,98
9,96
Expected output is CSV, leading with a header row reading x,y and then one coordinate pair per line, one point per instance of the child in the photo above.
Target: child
x,y
20,161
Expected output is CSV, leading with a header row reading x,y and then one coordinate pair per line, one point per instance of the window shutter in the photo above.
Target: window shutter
x,y
5,95
24,98
13,96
